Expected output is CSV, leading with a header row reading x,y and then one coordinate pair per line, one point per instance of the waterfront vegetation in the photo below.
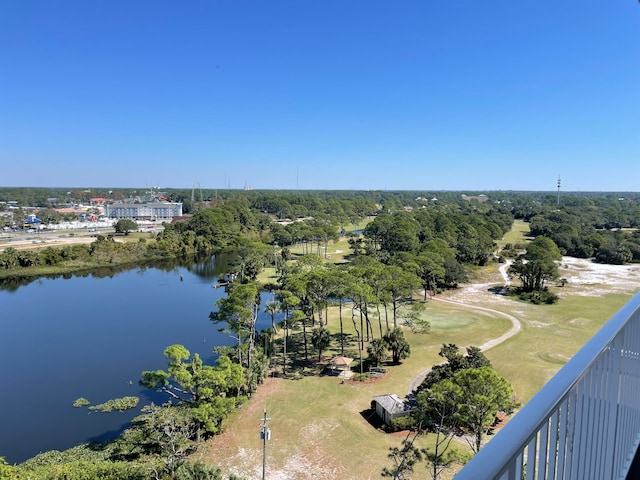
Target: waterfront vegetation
x,y
361,295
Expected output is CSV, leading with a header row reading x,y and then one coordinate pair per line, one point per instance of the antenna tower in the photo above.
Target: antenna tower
x,y
559,189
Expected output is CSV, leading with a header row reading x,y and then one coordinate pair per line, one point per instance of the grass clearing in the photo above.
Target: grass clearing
x,y
518,234
318,426
550,336
319,421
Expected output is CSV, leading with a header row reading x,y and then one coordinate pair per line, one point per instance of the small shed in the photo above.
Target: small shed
x,y
390,406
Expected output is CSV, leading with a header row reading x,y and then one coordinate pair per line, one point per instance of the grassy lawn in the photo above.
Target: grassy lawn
x,y
517,234
550,336
336,251
318,423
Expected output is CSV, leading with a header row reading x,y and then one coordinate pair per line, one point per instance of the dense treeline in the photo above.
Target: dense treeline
x,y
581,224
451,231
603,228
438,243
103,251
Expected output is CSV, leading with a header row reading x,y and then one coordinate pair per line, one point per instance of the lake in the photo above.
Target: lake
x,y
91,336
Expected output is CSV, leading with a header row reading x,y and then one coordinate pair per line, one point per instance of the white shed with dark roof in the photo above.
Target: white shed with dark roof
x,y
390,406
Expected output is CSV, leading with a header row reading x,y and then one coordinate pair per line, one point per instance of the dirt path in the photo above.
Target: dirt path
x,y
516,326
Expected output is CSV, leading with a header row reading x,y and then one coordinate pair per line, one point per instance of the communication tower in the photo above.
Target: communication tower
x,y
558,189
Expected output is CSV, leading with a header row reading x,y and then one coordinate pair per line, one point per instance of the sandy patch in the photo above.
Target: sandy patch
x,y
585,277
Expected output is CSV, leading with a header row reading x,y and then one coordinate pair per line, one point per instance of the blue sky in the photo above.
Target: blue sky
x,y
344,94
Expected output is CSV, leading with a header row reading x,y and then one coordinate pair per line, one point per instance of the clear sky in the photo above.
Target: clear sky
x,y
330,94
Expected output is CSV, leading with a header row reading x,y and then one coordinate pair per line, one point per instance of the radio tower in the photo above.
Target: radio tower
x,y
558,190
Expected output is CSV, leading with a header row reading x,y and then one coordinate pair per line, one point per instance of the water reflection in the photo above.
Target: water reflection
x,y
205,267
89,335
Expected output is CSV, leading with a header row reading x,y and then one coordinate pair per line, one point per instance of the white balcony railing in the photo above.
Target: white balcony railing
x,y
584,423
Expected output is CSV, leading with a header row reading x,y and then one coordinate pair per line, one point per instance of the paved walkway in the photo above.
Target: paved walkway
x,y
516,326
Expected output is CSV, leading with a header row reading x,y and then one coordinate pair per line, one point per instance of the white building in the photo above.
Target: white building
x,y
162,211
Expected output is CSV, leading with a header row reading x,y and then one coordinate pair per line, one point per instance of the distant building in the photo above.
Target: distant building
x,y
161,211
479,198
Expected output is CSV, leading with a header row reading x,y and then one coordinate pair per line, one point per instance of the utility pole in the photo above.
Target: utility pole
x,y
265,434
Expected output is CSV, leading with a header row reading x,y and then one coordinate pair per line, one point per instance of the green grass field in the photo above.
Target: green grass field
x,y
318,426
517,234
324,418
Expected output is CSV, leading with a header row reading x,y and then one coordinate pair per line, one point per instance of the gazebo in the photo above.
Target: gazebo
x,y
341,365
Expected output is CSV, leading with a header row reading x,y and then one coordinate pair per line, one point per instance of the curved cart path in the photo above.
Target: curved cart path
x,y
516,326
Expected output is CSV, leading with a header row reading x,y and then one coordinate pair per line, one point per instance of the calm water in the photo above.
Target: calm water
x,y
91,337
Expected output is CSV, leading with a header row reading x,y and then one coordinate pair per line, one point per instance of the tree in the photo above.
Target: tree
x,y
400,288
377,351
431,271
208,390
404,459
341,280
288,302
437,410
413,318
320,338
397,344
169,431
125,225
613,253
272,308
483,393
538,265
455,362
239,311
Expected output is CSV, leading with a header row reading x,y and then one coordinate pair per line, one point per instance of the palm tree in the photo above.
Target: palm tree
x,y
377,351
321,339
272,308
397,344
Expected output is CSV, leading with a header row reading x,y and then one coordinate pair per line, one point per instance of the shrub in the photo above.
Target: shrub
x,y
538,297
402,423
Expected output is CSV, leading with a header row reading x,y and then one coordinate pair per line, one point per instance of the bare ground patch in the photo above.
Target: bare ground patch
x,y
586,277
309,460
